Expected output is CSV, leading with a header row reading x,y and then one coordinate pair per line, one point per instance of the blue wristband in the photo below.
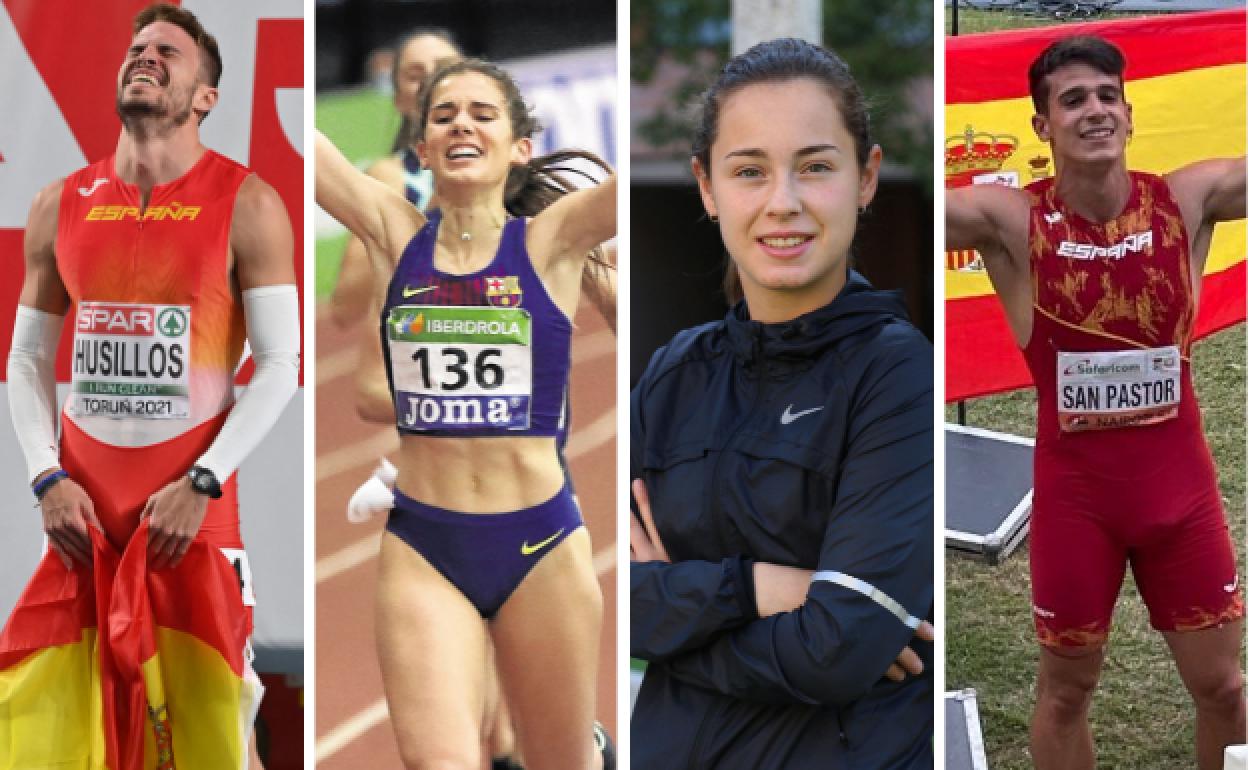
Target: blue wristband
x,y
41,487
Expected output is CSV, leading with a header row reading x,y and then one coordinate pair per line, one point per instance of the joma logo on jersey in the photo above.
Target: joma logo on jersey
x,y
457,411
117,319
174,211
1136,242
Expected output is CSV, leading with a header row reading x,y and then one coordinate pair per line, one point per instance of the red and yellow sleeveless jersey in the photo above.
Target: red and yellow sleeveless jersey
x,y
158,332
115,666
1113,309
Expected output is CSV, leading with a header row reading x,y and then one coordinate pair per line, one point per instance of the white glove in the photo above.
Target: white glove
x,y
374,496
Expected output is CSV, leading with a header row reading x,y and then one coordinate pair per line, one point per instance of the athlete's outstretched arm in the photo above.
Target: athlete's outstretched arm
x,y
973,217
573,225
362,276
875,562
262,247
377,215
66,507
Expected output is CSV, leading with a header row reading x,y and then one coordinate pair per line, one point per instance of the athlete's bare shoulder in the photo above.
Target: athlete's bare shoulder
x,y
42,221
261,240
42,287
1209,191
989,218
46,204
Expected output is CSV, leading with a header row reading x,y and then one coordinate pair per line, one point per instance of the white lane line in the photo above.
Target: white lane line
x,y
592,436
338,738
347,558
354,726
356,454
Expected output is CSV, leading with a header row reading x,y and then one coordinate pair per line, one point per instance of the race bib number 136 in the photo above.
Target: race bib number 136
x,y
461,368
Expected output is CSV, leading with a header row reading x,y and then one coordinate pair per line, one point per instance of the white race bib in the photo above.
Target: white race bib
x,y
131,361
461,368
1118,389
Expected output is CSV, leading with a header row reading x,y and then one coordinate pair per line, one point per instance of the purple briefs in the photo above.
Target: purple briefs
x,y
484,555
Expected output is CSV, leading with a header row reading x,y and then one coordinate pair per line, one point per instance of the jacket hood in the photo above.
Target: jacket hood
x,y
857,308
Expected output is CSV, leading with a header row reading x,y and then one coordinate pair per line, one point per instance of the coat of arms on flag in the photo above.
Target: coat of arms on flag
x,y
503,290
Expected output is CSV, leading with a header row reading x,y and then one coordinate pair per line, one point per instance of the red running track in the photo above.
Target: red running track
x,y
352,730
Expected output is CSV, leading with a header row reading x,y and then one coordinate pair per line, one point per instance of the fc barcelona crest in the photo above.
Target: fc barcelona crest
x,y
503,290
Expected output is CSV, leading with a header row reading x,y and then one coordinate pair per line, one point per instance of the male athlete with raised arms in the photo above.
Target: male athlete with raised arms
x,y
1099,271
172,257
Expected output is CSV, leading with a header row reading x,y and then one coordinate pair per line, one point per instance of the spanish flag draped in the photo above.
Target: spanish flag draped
x,y
1185,81
117,667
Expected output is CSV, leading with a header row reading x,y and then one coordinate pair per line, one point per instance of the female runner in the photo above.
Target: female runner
x,y
782,457
475,328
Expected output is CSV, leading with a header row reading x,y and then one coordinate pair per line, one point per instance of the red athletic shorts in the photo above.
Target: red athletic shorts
x,y
1168,524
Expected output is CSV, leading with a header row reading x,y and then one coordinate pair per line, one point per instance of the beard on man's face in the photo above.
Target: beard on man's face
x,y
140,109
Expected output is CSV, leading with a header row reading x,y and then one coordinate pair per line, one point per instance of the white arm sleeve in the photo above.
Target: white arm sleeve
x,y
272,314
32,386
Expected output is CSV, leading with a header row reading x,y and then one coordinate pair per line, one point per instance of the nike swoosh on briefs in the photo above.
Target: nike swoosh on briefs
x,y
409,292
529,550
789,415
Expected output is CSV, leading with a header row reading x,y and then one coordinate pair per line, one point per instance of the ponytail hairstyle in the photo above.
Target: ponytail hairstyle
x,y
777,61
532,187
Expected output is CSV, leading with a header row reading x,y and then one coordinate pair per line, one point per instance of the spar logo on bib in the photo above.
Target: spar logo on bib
x,y
131,360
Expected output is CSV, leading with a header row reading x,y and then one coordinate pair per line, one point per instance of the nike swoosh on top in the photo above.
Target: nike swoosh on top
x,y
410,292
529,550
789,415
1230,587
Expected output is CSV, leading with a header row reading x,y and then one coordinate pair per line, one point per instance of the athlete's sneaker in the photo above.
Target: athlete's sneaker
x,y
602,742
505,763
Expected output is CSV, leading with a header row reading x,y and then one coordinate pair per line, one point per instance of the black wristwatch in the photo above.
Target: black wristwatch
x,y
204,481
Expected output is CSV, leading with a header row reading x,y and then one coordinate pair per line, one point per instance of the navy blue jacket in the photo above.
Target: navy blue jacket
x,y
806,443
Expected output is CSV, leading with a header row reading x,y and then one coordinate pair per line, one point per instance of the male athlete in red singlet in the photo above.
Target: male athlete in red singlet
x,y
1099,273
170,257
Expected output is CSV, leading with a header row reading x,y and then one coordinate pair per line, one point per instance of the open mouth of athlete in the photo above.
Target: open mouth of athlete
x,y
1100,132
145,75
463,152
785,245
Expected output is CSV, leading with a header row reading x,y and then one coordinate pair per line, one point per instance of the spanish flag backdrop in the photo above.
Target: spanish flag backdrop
x,y
1185,81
